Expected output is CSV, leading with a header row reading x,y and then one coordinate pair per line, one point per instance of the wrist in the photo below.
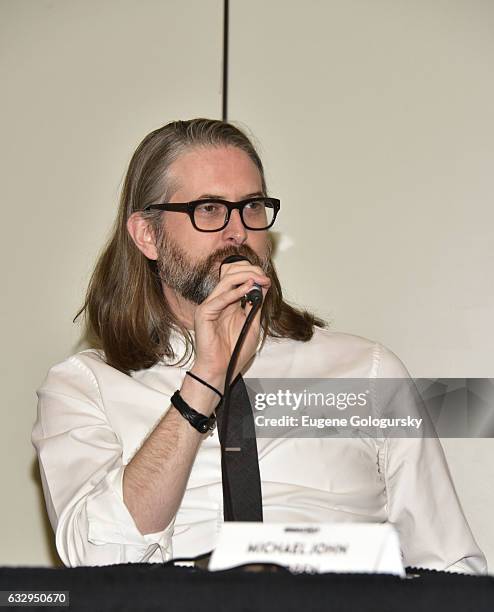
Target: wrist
x,y
212,377
202,423
200,397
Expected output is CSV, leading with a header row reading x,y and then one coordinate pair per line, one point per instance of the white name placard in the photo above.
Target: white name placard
x,y
314,547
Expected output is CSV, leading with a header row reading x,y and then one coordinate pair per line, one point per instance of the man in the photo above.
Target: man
x,y
126,477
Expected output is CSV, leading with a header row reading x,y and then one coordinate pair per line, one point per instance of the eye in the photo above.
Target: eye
x,y
210,208
255,206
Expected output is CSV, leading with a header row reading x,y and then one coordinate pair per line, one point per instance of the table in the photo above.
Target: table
x,y
150,587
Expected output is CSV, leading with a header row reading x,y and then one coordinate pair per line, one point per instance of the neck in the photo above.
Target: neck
x,y
182,309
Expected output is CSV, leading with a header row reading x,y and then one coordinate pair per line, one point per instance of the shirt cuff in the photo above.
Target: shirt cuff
x,y
110,522
470,565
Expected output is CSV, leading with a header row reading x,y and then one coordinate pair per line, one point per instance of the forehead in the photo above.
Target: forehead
x,y
224,171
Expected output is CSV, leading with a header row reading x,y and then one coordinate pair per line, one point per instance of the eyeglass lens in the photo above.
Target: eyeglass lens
x,y
212,215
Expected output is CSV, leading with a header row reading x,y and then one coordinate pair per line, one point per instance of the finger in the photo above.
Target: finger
x,y
236,279
213,305
240,266
227,266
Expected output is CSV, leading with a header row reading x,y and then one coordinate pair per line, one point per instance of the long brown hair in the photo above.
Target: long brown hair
x,y
125,311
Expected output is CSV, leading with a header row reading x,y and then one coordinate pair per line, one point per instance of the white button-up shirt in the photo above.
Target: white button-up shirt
x,y
92,419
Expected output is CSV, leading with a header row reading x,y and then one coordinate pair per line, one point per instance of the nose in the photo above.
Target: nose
x,y
235,231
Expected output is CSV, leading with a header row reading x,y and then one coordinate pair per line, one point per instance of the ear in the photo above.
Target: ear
x,y
142,234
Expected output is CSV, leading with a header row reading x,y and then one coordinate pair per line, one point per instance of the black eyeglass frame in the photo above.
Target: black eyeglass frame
x,y
189,208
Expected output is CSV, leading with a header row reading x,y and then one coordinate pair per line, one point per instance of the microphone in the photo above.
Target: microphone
x,y
254,296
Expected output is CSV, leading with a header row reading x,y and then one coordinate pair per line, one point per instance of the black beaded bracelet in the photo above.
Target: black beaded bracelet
x,y
204,383
199,421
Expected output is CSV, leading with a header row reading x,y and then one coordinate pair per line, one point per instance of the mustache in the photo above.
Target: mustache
x,y
214,261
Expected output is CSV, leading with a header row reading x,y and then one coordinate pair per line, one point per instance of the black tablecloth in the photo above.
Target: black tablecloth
x,y
149,587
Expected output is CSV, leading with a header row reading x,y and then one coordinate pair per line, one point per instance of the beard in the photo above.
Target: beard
x,y
195,280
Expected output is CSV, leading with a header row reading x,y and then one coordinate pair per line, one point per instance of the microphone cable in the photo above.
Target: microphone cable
x,y
255,297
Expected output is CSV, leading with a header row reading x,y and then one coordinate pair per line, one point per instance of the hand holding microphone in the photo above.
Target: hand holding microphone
x,y
220,318
255,294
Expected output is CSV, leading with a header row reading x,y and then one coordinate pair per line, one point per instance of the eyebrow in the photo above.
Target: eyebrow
x,y
207,196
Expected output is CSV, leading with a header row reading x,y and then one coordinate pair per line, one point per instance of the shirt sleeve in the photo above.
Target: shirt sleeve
x,y
422,502
81,467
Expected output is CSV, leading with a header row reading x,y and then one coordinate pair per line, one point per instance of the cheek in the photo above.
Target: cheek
x,y
198,245
259,242
180,229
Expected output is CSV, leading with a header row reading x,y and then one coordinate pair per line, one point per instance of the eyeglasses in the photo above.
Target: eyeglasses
x,y
210,215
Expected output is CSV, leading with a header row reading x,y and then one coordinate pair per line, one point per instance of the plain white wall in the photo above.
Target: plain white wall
x,y
374,115
83,82
375,124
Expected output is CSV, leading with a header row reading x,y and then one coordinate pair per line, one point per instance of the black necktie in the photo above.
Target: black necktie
x,y
242,498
